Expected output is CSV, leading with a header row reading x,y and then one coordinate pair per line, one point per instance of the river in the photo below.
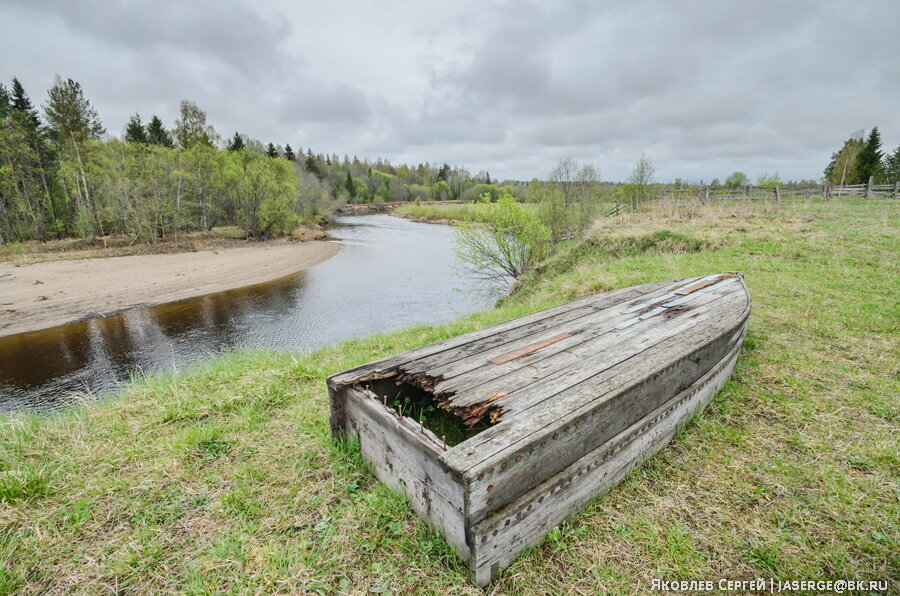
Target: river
x,y
391,273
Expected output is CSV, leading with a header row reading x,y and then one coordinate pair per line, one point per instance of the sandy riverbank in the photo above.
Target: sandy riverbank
x,y
53,293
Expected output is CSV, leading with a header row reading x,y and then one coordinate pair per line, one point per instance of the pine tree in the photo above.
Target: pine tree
x,y
271,151
350,186
236,143
312,165
157,133
135,131
289,153
869,160
21,102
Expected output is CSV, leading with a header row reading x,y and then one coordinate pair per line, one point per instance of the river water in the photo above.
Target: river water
x,y
390,273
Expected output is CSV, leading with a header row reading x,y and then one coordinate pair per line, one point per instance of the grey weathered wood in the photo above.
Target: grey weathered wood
x,y
406,460
380,367
594,357
478,366
578,420
524,523
575,414
456,360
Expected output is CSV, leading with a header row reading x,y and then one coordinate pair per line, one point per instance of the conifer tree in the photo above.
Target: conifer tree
x,y
21,102
271,151
135,131
348,184
868,162
312,165
289,153
157,133
236,143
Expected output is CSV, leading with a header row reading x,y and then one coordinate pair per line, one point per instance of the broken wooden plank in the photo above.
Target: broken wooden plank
x,y
529,349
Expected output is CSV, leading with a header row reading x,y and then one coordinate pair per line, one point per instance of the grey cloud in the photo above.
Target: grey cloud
x,y
703,87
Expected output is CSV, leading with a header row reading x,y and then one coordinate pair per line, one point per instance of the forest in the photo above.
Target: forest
x,y
62,176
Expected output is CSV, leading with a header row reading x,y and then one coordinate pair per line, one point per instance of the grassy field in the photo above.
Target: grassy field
x,y
435,212
225,480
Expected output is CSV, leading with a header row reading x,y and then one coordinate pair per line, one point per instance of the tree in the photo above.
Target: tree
x,y
5,102
737,179
265,192
890,169
70,117
641,178
350,186
289,153
74,126
271,151
506,240
157,133
135,131
22,103
868,162
765,179
236,143
841,169
191,129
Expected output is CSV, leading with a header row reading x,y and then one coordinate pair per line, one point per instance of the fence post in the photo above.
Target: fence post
x,y
869,187
896,194
826,192
749,192
777,194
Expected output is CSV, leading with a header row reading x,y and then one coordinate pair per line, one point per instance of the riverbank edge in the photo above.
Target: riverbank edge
x,y
324,250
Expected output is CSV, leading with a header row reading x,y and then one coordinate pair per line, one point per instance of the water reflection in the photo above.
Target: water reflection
x,y
390,273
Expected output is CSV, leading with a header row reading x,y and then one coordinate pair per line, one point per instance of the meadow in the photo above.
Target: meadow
x,y
224,478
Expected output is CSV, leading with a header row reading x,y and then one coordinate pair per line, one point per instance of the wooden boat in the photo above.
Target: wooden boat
x,y
555,407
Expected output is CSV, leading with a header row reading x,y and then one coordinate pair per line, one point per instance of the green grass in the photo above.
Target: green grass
x,y
432,212
225,479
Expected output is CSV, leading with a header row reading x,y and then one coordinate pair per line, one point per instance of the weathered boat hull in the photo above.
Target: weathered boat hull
x,y
594,391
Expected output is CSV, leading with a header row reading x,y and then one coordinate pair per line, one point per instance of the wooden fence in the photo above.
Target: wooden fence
x,y
706,195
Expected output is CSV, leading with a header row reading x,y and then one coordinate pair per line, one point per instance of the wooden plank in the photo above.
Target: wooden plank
x,y
551,445
525,388
524,523
529,349
403,462
581,330
477,352
564,394
384,366
467,388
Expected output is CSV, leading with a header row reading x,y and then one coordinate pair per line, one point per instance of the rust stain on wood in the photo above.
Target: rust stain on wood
x,y
529,349
697,286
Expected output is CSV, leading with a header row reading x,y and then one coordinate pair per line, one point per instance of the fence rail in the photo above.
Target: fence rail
x,y
706,195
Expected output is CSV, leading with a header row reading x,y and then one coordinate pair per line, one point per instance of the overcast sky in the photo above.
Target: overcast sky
x,y
703,88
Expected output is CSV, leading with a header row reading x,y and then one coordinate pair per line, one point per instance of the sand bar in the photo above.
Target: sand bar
x,y
53,293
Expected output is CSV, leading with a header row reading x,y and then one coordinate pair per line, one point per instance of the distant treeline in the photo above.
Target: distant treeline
x,y
60,176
